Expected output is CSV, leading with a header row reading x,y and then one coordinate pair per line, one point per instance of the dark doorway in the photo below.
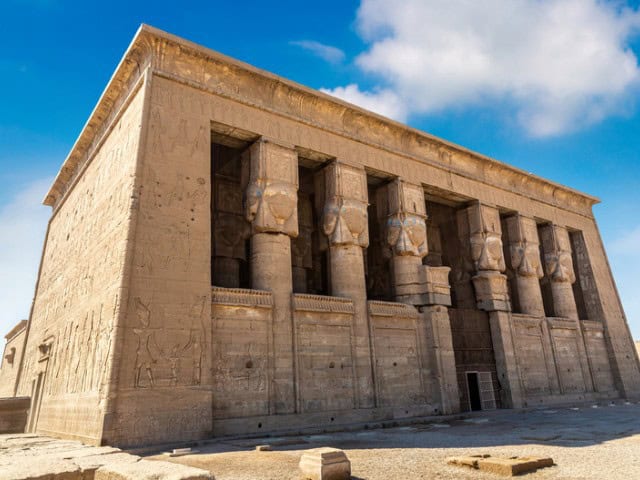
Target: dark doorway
x,y
474,391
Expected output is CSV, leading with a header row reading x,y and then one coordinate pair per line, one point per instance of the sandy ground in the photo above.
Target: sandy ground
x,y
585,443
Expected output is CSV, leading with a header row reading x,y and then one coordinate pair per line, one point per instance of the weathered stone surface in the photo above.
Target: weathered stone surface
x,y
31,457
13,414
325,464
150,470
502,466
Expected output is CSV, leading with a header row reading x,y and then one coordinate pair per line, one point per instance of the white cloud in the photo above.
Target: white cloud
x,y
560,64
625,262
326,52
23,222
385,102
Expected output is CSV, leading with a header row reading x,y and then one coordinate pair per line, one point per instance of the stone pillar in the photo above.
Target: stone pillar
x,y
440,343
558,260
270,172
524,250
559,268
345,225
481,224
406,235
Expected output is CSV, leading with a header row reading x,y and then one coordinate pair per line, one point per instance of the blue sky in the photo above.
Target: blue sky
x,y
552,87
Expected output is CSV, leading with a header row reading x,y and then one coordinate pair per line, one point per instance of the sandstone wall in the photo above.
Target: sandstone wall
x,y
164,366
73,324
11,357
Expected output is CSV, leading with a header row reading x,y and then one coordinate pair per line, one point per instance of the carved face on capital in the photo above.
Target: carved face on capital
x,y
560,266
272,207
346,222
486,251
525,259
407,235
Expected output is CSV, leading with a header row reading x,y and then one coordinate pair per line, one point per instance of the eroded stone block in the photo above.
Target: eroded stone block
x,y
502,466
151,470
325,463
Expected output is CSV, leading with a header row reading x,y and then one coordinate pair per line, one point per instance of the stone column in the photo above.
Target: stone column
x,y
438,329
406,235
345,225
524,250
481,224
559,268
558,260
271,205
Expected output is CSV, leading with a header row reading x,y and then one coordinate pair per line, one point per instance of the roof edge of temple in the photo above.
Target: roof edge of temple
x,y
139,55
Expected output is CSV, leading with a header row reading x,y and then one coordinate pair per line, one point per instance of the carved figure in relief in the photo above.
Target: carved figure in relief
x,y
146,349
525,258
485,238
345,222
407,234
559,265
272,206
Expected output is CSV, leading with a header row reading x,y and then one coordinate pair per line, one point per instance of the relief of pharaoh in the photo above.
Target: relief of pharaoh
x,y
345,222
525,259
272,206
407,235
486,251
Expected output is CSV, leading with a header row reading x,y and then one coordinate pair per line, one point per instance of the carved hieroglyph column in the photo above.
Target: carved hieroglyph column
x,y
345,224
271,205
481,224
559,268
524,250
406,234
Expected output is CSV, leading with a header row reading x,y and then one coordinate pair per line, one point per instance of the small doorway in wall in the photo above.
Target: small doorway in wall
x,y
473,386
481,392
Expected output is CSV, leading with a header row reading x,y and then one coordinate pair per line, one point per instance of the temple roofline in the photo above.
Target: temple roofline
x,y
19,327
146,48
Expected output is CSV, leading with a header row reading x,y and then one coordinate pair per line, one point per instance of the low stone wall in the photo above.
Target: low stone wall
x,y
13,414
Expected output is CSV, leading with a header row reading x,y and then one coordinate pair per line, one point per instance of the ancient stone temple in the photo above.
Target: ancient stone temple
x,y
230,252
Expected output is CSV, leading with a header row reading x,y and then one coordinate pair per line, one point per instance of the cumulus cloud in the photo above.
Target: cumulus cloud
x,y
625,263
326,52
561,65
385,102
23,222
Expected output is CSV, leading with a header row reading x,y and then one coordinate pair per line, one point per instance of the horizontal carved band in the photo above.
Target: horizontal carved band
x,y
241,296
322,303
391,309
592,325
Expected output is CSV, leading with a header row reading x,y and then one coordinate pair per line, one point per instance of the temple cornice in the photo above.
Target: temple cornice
x,y
183,61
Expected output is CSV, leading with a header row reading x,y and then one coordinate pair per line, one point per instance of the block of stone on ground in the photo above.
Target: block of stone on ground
x,y
151,470
325,463
30,457
502,466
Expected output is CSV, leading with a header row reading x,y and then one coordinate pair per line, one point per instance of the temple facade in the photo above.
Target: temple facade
x,y
230,252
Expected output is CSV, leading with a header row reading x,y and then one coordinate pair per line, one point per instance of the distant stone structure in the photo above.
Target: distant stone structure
x,y
230,252
10,362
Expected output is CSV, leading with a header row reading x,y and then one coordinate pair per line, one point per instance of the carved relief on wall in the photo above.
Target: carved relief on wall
x,y
271,179
168,359
406,230
524,248
344,217
482,224
557,254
